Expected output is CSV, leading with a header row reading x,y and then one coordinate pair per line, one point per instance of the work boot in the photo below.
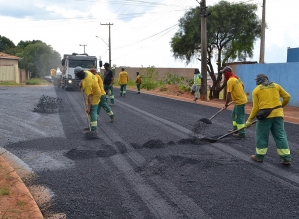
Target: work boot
x,y
138,93
287,163
112,118
86,129
253,157
195,99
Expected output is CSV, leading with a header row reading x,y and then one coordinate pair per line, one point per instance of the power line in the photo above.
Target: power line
x,y
146,38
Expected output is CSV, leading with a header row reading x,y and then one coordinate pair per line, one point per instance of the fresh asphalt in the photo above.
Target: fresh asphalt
x,y
148,163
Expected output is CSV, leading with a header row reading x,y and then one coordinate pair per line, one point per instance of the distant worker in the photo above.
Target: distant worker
x,y
123,79
138,82
268,108
235,91
108,83
92,91
103,103
195,89
53,73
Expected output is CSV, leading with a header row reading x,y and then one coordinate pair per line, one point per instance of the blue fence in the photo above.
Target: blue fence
x,y
285,74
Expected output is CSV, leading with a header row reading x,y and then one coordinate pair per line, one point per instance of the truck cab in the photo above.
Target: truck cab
x,y
69,63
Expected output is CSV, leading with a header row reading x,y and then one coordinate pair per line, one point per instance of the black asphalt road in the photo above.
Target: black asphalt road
x,y
149,164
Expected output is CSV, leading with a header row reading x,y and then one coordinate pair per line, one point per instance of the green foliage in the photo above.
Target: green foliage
x,y
149,76
5,43
173,79
9,83
232,29
4,191
36,81
131,83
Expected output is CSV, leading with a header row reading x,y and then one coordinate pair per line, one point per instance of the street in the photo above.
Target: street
x,y
149,163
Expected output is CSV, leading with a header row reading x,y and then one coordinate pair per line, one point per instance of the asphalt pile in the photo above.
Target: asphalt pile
x,y
48,104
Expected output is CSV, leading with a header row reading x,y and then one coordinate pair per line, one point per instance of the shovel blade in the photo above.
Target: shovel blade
x,y
212,140
205,120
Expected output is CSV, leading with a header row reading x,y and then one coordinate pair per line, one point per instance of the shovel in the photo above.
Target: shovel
x,y
212,140
84,101
209,121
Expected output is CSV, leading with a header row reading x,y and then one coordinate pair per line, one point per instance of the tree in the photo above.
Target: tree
x,y
232,29
5,44
39,58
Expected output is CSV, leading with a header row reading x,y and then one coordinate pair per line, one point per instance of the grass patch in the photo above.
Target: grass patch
x,y
9,83
4,191
36,81
21,203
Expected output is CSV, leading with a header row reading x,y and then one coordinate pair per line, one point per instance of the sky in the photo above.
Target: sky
x,y
140,30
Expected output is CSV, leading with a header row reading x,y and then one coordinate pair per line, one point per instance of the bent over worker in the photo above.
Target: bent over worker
x,y
103,102
267,96
92,90
235,91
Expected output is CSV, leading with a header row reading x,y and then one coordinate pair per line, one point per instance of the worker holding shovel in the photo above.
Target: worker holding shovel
x,y
235,91
268,109
92,90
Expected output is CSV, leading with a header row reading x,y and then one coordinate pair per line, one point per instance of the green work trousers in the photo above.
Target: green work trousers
x,y
109,91
276,126
93,117
138,87
103,104
238,118
123,90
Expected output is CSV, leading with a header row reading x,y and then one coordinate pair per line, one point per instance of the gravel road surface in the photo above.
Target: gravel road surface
x,y
149,163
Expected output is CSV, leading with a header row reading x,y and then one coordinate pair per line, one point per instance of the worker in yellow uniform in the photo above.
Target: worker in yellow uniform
x,y
235,91
92,91
138,82
123,79
103,102
268,109
53,73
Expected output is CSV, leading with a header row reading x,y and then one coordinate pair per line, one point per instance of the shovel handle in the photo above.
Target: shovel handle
x,y
232,132
220,110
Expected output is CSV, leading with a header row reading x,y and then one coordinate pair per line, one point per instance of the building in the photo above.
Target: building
x,y
9,69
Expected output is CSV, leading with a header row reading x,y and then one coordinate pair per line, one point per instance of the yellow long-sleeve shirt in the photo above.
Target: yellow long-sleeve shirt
x,y
100,83
123,77
264,97
90,87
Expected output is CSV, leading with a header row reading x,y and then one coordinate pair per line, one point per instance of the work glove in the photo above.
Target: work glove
x,y
248,123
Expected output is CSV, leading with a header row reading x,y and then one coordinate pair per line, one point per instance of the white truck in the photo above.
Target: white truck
x,y
69,63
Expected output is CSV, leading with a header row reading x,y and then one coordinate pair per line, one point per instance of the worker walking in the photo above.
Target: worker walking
x,y
108,83
195,89
123,79
235,91
138,82
92,91
103,103
268,109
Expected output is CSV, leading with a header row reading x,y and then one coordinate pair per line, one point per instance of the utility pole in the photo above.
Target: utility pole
x,y
109,43
262,47
203,48
84,46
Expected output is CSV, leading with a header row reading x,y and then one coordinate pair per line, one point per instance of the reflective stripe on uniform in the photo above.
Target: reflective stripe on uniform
x,y
261,151
112,97
95,123
110,113
239,126
282,152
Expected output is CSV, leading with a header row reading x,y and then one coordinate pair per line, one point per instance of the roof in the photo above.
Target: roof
x,y
7,56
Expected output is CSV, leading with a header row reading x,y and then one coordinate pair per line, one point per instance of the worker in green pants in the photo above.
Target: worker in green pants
x,y
268,108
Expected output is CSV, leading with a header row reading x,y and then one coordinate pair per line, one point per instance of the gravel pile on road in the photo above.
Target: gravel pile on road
x,y
48,104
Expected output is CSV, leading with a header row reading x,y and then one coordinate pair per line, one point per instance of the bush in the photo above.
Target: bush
x,y
148,78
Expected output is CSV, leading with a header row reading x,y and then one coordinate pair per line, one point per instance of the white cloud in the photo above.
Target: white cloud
x,y
66,24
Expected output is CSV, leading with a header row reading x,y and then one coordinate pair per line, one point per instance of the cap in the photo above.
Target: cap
x,y
227,68
261,76
106,64
78,69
